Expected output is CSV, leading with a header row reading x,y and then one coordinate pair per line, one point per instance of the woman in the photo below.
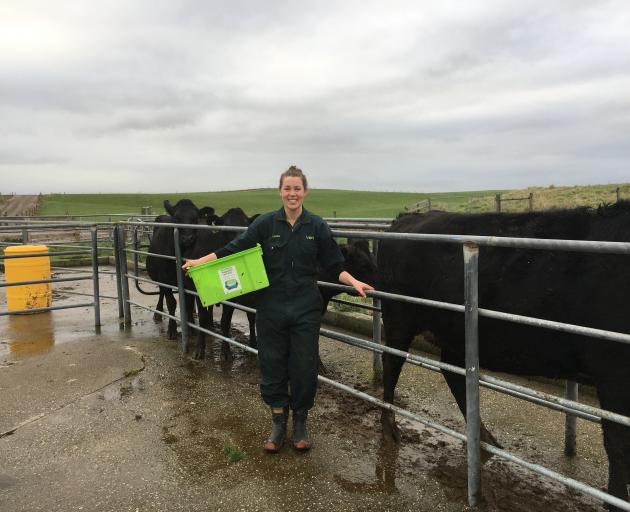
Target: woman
x,y
294,243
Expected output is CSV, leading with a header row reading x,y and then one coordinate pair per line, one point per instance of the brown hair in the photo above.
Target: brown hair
x,y
293,172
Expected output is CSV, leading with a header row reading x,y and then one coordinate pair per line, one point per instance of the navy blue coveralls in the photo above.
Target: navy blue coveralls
x,y
289,311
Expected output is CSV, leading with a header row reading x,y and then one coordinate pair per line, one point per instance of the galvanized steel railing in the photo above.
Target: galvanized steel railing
x,y
471,312
91,250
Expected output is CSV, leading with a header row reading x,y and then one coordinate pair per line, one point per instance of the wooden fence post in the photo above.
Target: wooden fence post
x,y
531,201
497,202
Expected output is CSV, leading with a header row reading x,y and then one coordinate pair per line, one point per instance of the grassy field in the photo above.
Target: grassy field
x,y
325,202
340,203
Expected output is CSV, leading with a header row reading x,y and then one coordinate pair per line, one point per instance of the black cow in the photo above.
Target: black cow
x,y
209,241
358,261
578,288
162,242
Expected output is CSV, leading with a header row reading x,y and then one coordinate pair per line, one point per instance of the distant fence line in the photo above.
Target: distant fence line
x,y
420,206
498,200
425,205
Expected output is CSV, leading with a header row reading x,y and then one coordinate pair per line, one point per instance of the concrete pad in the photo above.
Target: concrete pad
x,y
121,420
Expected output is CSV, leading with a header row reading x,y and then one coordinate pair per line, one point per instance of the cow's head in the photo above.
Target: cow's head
x,y
360,262
233,217
184,212
207,215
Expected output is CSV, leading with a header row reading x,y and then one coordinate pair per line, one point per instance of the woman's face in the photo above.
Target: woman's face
x,y
292,193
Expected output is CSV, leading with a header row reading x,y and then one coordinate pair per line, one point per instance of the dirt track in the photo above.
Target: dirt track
x,y
19,205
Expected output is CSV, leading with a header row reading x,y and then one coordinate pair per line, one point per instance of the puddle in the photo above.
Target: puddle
x,y
7,481
122,390
29,335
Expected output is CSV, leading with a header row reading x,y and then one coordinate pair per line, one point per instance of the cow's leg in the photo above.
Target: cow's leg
x,y
160,306
226,323
399,330
171,304
457,385
615,396
205,321
251,318
392,366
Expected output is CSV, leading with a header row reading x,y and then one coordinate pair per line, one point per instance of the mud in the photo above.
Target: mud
x,y
123,421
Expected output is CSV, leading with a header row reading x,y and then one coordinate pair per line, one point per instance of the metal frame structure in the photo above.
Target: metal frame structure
x,y
470,309
92,250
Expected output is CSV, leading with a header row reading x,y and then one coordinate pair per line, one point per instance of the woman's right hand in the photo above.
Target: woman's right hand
x,y
191,263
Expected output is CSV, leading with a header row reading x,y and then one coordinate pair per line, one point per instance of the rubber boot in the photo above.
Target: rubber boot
x,y
301,440
278,431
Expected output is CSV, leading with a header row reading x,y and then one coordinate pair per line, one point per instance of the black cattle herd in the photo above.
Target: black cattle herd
x,y
592,290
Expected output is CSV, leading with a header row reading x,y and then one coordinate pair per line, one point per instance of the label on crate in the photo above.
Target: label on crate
x,y
229,279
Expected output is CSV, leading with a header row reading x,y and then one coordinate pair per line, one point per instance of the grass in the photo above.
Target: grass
x,y
340,203
348,308
234,453
325,202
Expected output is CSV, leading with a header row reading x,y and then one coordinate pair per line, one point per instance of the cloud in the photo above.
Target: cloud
x,y
190,95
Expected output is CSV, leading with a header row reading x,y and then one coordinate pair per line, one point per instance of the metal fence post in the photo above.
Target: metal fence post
x,y
570,424
124,280
121,311
136,247
182,293
25,235
473,420
97,297
377,362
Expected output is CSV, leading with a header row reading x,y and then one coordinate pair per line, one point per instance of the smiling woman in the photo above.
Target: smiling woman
x,y
295,244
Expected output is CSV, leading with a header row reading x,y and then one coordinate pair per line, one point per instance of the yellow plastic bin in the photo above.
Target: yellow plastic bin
x,y
231,276
35,268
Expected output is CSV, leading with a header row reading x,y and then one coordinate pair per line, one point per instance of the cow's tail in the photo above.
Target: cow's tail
x,y
144,292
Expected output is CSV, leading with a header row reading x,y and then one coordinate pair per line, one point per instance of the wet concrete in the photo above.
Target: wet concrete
x,y
122,421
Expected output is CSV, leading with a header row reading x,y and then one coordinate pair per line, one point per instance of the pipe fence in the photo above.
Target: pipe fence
x,y
92,251
471,311
123,240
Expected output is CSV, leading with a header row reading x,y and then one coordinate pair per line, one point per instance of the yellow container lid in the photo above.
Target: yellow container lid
x,y
25,249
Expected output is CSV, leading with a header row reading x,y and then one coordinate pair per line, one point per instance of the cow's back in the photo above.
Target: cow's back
x,y
578,288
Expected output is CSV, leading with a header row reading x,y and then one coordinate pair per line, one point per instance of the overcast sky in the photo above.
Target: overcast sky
x,y
166,95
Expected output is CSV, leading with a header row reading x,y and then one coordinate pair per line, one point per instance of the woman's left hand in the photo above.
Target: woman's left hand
x,y
347,278
360,287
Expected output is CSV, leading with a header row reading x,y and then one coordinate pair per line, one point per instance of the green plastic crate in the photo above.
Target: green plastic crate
x,y
234,275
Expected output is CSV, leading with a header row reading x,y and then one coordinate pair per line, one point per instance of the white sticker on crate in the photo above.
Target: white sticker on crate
x,y
229,279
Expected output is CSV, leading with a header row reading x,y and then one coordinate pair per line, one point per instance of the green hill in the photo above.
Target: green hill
x,y
340,203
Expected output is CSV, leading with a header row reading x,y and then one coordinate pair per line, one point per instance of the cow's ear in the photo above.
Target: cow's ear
x,y
168,207
212,219
208,211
